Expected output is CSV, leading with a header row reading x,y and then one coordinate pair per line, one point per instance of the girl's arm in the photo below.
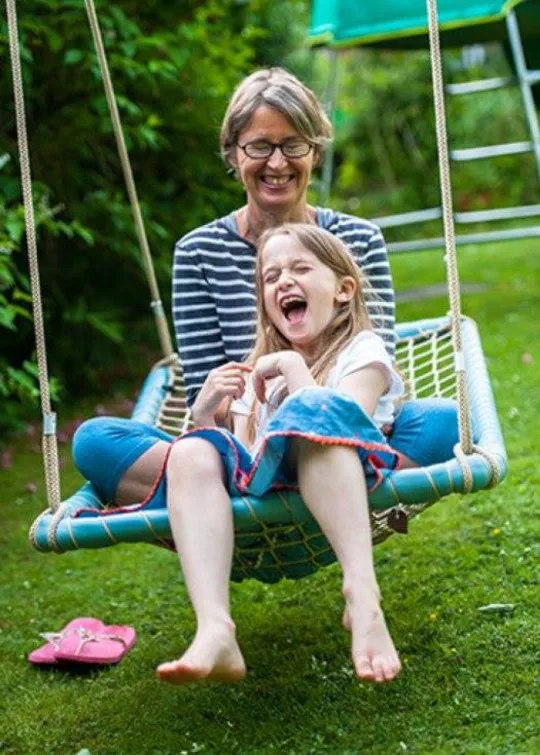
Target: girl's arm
x,y
221,385
366,386
290,364
240,428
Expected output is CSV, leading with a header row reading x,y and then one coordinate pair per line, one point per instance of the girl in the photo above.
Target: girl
x,y
319,382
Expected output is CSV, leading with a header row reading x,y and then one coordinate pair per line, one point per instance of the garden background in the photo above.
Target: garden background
x,y
469,681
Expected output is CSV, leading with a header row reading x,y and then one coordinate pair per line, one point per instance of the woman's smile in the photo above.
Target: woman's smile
x,y
277,181
275,184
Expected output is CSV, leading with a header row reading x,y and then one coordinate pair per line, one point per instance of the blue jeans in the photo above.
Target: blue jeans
x,y
425,430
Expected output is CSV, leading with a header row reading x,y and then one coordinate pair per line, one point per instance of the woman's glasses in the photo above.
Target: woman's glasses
x,y
260,149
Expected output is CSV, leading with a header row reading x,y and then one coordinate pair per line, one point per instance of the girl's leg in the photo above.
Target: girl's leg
x,y
201,521
333,486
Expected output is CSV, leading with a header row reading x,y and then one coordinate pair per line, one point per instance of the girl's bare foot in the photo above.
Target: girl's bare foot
x,y
373,652
213,655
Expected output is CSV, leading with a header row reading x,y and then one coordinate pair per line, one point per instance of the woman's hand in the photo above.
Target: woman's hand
x,y
222,384
289,364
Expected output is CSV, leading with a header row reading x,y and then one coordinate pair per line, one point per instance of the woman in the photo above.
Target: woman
x,y
273,135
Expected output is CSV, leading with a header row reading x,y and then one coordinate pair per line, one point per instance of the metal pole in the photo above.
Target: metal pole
x,y
524,84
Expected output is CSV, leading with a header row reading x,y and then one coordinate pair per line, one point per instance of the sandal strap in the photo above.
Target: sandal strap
x,y
87,636
55,638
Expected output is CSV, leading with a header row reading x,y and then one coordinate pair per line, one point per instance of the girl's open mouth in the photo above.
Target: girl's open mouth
x,y
294,310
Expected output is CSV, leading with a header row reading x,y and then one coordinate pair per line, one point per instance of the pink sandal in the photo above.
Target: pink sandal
x,y
45,655
85,640
104,645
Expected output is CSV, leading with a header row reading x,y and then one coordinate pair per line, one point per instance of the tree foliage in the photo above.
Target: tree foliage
x,y
173,66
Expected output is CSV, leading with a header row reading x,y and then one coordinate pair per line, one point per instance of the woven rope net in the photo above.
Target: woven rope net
x,y
426,361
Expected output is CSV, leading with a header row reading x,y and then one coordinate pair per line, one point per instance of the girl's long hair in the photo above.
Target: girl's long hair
x,y
350,318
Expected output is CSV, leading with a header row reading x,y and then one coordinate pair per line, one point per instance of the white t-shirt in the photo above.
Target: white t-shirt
x,y
366,348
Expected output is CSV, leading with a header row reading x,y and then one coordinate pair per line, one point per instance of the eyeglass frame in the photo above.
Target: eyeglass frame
x,y
274,146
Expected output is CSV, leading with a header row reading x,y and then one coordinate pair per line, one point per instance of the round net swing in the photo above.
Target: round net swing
x,y
275,535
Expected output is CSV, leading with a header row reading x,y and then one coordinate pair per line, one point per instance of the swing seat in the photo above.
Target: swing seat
x,y
275,535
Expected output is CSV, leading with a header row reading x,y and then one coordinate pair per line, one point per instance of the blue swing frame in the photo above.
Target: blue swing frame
x,y
275,535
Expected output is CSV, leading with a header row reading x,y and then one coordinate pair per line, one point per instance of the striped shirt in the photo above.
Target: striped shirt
x,y
213,291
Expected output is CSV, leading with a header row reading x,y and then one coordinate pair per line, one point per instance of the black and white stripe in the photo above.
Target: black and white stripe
x,y
213,295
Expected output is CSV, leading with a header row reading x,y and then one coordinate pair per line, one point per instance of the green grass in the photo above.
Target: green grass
x,y
470,680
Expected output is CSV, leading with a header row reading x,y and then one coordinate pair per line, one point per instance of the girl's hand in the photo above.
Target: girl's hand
x,y
289,364
224,383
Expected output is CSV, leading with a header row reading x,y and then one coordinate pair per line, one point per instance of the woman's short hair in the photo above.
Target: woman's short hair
x,y
279,89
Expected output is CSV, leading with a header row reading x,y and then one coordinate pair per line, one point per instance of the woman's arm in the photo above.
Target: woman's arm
x,y
196,324
380,291
366,242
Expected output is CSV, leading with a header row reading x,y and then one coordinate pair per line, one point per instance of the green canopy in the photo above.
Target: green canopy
x,y
403,23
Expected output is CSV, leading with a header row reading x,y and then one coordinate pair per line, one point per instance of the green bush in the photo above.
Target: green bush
x,y
19,375
173,67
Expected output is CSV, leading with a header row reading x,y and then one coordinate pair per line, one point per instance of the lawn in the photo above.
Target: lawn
x,y
470,679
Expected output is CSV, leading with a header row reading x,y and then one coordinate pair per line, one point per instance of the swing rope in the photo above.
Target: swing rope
x,y
465,447
173,415
465,434
156,303
49,438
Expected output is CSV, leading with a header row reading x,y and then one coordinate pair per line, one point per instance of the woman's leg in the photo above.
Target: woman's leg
x,y
425,431
201,521
138,480
121,457
333,486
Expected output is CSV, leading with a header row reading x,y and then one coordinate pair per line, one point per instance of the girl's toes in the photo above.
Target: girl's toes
x,y
392,667
364,669
379,668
